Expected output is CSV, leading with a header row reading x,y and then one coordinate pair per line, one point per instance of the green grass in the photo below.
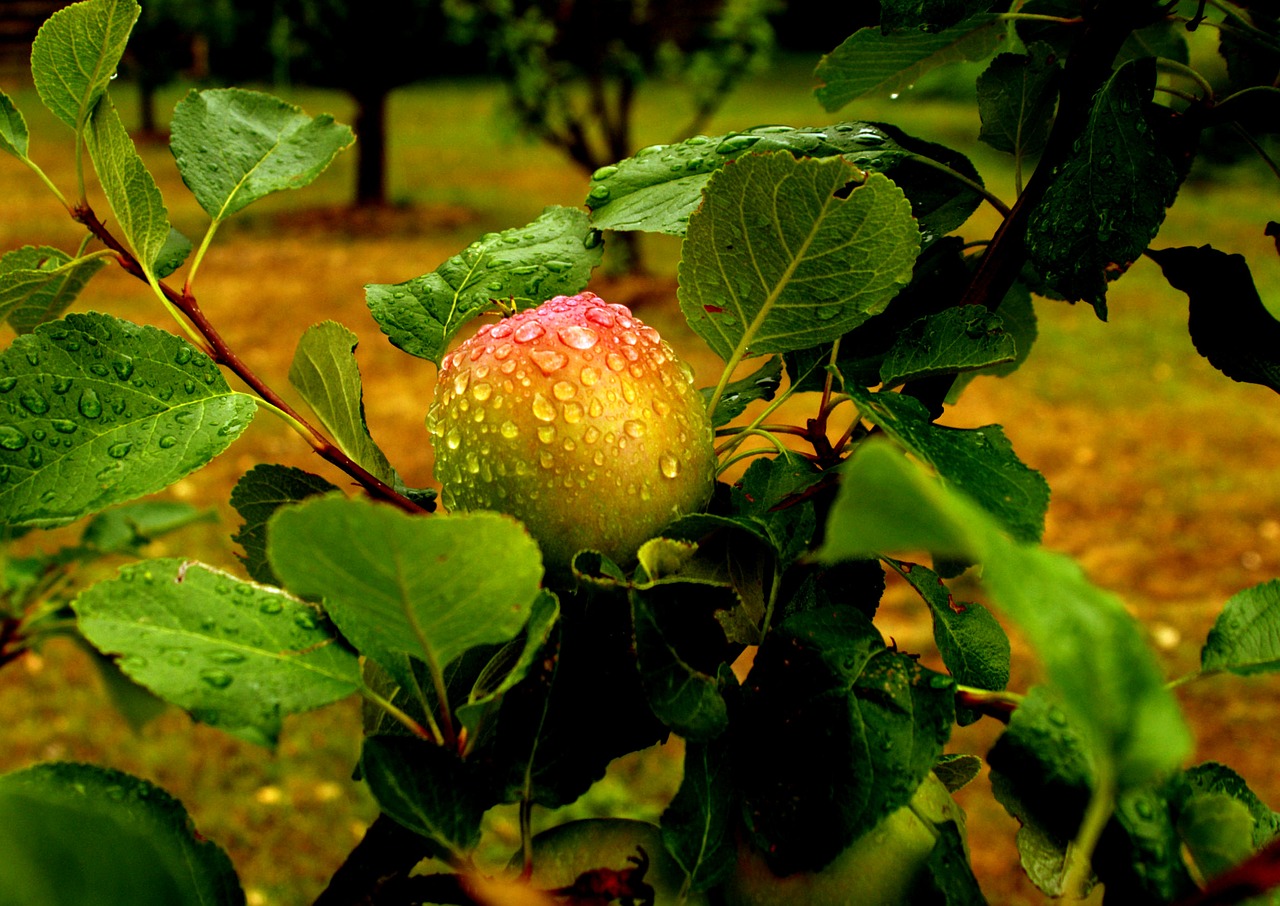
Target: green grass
x,y
1165,474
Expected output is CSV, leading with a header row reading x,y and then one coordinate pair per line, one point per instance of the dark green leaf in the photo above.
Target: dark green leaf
x,y
397,585
234,146
697,826
1211,778
863,725
1229,325
76,833
130,188
1252,56
1166,40
762,384
871,63
957,771
661,186
927,15
1245,638
1016,97
236,655
1088,644
76,53
1051,29
38,284
101,411
13,128
135,703
972,642
175,250
256,497
428,789
1018,317
1110,195
325,373
526,266
950,871
685,698
815,265
769,494
979,462
964,338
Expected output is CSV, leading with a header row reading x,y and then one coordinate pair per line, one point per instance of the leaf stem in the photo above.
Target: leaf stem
x,y
212,343
992,199
399,714
198,257
1173,66
1079,867
44,178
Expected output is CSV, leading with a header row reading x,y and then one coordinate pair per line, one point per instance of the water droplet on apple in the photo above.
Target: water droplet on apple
x,y
578,337
549,360
528,332
542,408
669,465
564,390
509,430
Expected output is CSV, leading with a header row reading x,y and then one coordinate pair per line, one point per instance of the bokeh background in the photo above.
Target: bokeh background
x,y
1164,473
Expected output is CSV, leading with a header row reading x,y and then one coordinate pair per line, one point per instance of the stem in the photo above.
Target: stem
x,y
999,705
1257,148
965,181
198,257
1173,66
193,319
1079,868
400,715
44,178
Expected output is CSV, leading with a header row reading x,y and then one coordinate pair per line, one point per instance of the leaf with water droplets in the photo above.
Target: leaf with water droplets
x,y
13,128
660,187
864,723
979,462
234,146
400,586
326,374
1109,197
963,338
1016,97
237,655
787,254
79,833
872,63
256,497
1245,639
84,405
37,284
76,53
1092,650
130,188
524,266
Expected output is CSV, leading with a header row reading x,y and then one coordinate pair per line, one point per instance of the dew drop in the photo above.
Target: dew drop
x,y
549,360
120,450
591,435
546,460
481,392
604,172
33,402
35,458
453,439
543,410
595,410
669,465
460,382
546,433
11,438
305,619
168,442
661,407
577,336
633,429
615,362
510,430
227,657
183,355
61,385
589,376
503,352
599,194
63,426
528,332
7,384
189,386
270,606
218,679
123,368
564,390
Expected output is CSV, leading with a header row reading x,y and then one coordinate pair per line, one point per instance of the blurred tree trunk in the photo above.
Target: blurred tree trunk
x,y
371,149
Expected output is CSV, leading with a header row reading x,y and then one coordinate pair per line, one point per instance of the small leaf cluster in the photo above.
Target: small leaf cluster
x,y
825,266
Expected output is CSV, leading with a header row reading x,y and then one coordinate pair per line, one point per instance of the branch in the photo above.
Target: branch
x,y
186,304
1253,877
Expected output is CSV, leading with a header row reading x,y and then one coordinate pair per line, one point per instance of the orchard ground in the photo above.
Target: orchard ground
x,y
1165,475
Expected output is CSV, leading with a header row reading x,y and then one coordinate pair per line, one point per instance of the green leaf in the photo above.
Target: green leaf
x,y
1016,97
1110,195
427,789
130,188
863,726
661,186
685,698
13,128
1217,830
972,642
1018,318
175,250
979,462
1228,322
75,55
39,284
526,266
236,655
76,833
872,63
957,771
808,265
1211,778
234,146
326,374
100,411
697,827
396,585
768,495
256,497
1091,649
927,15
964,338
127,529
762,384
1245,639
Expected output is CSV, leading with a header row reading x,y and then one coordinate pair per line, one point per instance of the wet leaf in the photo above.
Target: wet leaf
x,y
256,497
964,338
13,128
76,53
39,284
